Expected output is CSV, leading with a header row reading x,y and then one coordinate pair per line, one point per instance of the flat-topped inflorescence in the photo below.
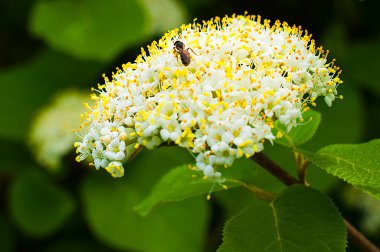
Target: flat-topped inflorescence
x,y
218,96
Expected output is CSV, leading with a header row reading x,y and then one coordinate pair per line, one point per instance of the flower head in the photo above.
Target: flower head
x,y
218,93
51,135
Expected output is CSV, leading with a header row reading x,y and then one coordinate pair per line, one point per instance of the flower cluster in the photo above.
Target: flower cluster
x,y
244,74
51,135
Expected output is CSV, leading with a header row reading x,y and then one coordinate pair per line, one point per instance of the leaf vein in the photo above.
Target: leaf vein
x,y
276,226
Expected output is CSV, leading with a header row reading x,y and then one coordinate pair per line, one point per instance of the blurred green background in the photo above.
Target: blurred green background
x,y
52,53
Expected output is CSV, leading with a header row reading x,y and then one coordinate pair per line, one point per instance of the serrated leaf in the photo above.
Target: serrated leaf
x,y
300,134
182,183
333,129
358,164
108,207
300,219
38,206
90,29
176,185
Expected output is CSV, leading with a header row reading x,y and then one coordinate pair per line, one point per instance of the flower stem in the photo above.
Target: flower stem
x,y
355,235
260,193
302,164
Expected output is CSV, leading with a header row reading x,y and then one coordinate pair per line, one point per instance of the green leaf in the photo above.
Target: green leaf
x,y
27,88
231,206
89,29
333,129
176,185
300,134
300,219
38,206
162,159
108,207
358,164
182,183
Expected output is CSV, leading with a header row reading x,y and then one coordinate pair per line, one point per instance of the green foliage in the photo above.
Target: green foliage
x,y
33,70
90,29
358,164
235,200
300,219
333,128
181,183
300,134
108,208
176,185
38,206
162,159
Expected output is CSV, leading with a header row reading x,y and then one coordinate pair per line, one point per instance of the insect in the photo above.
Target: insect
x,y
184,54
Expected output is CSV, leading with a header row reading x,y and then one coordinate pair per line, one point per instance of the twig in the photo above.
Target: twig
x,y
359,239
274,168
302,164
355,235
260,193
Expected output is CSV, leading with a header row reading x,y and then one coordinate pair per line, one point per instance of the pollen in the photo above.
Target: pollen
x,y
244,74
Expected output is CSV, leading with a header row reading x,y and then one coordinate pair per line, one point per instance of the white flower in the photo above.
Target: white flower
x,y
241,76
115,150
116,169
51,136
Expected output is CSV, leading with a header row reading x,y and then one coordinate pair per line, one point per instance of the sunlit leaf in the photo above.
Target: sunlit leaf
x,y
300,134
182,183
358,164
333,129
300,219
140,173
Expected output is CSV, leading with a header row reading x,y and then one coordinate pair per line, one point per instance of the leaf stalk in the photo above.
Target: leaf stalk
x,y
354,235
